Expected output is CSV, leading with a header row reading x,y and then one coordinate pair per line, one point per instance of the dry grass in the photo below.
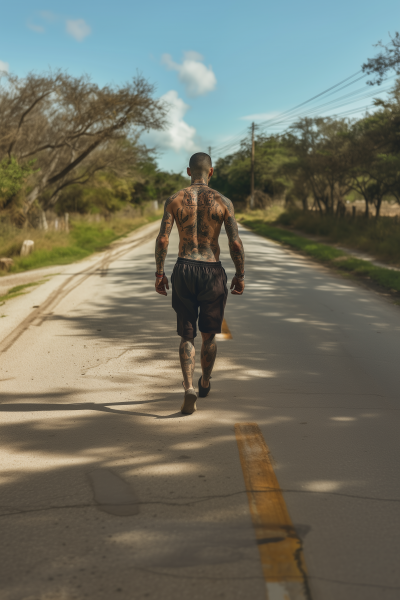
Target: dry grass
x,y
11,239
379,237
268,215
58,247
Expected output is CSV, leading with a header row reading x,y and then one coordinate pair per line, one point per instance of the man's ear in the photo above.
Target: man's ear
x,y
210,173
188,172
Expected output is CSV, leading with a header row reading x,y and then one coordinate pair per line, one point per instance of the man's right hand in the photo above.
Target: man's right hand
x,y
161,284
237,286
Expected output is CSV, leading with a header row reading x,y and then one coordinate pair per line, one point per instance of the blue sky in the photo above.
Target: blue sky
x,y
216,63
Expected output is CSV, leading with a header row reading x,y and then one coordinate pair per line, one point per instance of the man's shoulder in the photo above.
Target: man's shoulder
x,y
187,191
174,196
223,199
169,201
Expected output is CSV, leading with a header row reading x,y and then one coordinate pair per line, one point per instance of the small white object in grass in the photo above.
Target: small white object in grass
x,y
27,247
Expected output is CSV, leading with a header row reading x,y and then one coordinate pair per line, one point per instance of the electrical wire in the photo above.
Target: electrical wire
x,y
328,106
230,142
319,95
291,114
359,92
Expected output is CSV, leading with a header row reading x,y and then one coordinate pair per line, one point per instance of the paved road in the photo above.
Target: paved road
x,y
91,388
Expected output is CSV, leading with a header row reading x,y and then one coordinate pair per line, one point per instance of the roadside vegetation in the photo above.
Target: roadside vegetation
x,y
73,174
323,253
18,290
378,237
86,235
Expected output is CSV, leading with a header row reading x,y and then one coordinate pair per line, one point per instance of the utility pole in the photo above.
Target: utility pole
x,y
252,167
209,151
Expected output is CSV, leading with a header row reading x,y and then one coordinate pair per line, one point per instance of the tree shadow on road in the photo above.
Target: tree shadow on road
x,y
285,368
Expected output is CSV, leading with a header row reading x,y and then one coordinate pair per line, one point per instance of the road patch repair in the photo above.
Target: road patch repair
x,y
112,494
280,548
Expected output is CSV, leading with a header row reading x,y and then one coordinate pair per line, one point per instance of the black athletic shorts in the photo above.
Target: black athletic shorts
x,y
197,284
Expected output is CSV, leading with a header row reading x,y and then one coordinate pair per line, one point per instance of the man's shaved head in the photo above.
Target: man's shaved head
x,y
200,164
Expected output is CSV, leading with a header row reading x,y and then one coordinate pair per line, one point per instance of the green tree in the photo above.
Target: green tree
x,y
375,152
320,160
151,183
12,179
232,173
72,127
386,60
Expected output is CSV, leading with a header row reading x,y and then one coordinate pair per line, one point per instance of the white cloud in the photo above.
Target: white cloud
x,y
4,66
178,135
37,28
260,116
195,76
78,28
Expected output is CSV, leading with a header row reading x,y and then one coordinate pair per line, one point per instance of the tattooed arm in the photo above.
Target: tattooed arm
x,y
235,246
162,242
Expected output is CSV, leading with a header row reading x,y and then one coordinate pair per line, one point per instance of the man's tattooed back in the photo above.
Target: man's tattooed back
x,y
199,212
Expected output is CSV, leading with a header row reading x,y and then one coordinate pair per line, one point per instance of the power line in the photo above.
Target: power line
x,y
287,116
317,96
342,114
220,149
227,144
334,101
336,104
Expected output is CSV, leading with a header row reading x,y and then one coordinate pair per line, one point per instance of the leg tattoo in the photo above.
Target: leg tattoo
x,y
187,356
208,355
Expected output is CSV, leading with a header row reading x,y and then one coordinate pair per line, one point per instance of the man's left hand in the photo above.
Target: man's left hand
x,y
162,285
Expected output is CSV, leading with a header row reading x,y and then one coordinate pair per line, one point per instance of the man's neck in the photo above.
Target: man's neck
x,y
198,181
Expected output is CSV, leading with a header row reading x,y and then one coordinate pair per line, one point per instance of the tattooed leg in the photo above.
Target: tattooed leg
x,y
208,355
187,356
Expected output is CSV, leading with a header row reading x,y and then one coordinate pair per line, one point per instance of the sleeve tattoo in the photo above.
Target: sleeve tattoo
x,y
162,240
235,243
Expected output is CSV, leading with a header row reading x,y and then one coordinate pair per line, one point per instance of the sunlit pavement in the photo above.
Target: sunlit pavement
x,y
313,361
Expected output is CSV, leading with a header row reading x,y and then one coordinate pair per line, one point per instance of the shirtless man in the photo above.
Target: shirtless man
x,y
198,279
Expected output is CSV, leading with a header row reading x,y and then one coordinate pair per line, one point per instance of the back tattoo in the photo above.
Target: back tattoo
x,y
199,212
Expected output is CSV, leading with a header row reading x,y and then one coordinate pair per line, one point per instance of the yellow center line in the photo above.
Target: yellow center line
x,y
280,548
225,332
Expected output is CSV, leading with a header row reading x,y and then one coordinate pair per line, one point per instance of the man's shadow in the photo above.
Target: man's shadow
x,y
35,407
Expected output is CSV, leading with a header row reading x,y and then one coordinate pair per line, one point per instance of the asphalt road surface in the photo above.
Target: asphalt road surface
x,y
108,492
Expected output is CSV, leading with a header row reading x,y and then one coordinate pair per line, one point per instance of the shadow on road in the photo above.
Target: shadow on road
x,y
297,365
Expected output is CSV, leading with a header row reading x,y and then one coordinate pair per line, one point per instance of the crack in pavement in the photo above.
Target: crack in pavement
x,y
107,361
196,577
368,585
189,501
